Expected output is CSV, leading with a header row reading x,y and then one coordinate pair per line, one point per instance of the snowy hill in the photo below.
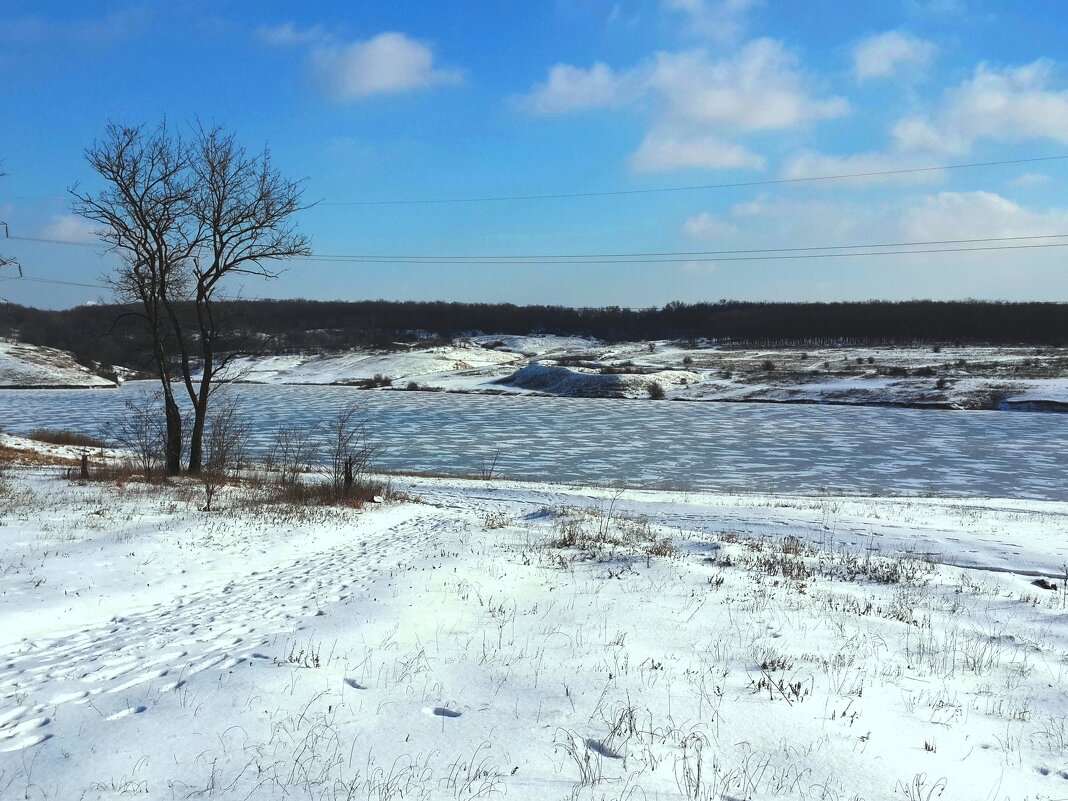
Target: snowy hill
x,y
25,366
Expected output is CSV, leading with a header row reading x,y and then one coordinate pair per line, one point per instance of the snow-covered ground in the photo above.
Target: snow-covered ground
x,y
531,641
441,366
24,365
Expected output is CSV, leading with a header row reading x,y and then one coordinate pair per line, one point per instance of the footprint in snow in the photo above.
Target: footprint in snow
x,y
598,747
27,742
443,712
23,727
130,710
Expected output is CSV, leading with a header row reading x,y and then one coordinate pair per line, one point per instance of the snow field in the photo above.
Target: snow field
x,y
530,641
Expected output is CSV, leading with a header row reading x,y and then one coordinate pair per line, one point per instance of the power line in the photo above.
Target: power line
x,y
703,259
53,281
56,241
686,253
699,187
659,189
780,257
635,257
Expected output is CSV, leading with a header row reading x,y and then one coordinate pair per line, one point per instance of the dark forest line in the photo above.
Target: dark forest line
x,y
113,335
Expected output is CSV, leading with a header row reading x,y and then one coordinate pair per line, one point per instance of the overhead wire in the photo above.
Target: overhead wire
x,y
692,188
662,189
779,257
653,257
667,257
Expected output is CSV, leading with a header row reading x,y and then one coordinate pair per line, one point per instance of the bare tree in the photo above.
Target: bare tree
x,y
245,208
185,217
145,213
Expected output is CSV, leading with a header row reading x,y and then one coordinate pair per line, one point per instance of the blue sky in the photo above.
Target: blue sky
x,y
430,100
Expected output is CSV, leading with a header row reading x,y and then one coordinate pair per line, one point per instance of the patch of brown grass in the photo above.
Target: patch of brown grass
x,y
325,494
118,473
61,436
14,456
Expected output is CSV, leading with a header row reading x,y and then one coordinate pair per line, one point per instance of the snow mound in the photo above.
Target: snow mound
x,y
565,381
26,366
579,383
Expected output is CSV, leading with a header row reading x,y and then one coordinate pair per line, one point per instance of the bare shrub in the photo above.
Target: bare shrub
x,y
226,449
141,430
350,453
296,450
293,452
655,390
487,468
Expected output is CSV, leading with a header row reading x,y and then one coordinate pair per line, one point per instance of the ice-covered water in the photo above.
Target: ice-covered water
x,y
712,446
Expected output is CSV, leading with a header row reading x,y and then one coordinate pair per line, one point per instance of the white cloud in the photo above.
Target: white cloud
x,y
810,164
571,88
1012,105
388,63
768,222
939,7
706,227
721,20
662,151
884,55
288,34
792,222
759,88
385,64
698,101
68,228
978,215
1031,179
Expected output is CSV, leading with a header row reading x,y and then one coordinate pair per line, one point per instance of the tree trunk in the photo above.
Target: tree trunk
x,y
174,434
172,446
200,415
196,439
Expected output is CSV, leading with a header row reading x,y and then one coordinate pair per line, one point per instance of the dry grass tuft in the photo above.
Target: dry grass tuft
x,y
60,436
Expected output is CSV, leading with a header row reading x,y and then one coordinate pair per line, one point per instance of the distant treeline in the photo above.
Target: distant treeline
x,y
113,334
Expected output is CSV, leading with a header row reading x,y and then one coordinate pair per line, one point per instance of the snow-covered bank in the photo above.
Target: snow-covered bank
x,y
529,641
32,366
932,377
920,377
